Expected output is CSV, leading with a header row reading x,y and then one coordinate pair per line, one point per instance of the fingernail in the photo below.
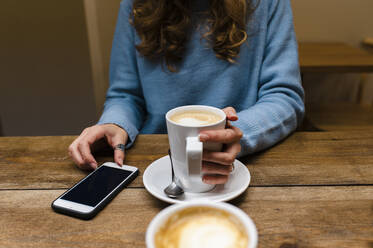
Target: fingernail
x,y
203,136
234,117
93,165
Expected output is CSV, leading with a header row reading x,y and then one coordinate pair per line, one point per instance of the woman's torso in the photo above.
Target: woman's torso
x,y
202,78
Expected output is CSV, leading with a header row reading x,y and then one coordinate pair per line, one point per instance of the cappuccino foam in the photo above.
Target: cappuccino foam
x,y
201,227
195,118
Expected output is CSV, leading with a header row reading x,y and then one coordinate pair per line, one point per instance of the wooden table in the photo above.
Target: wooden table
x,y
314,189
333,57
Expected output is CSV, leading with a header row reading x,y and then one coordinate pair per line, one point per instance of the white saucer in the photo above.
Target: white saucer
x,y
157,176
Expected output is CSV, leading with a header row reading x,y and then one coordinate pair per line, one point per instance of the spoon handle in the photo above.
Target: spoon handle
x,y
172,166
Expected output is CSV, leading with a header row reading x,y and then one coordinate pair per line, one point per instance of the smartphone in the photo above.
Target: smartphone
x,y
90,195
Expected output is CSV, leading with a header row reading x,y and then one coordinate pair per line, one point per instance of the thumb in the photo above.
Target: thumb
x,y
118,139
231,113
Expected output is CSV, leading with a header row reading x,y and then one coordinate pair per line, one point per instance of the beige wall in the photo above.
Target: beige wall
x,y
107,18
45,74
348,21
101,19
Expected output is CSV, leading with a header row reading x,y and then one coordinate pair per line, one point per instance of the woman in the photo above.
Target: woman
x,y
168,53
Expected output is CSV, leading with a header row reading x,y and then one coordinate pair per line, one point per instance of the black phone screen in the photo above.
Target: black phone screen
x,y
95,187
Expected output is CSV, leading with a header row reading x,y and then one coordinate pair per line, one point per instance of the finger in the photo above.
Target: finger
x,y
215,179
75,155
213,168
118,154
218,157
231,113
234,148
226,136
85,152
226,157
84,145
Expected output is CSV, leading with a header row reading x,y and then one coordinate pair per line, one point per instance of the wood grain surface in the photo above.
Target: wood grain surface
x,y
313,189
333,57
284,216
305,158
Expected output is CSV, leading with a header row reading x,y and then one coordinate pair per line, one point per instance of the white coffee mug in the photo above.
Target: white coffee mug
x,y
160,219
186,149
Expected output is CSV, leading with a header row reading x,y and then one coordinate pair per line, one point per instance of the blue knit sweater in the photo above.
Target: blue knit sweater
x,y
264,85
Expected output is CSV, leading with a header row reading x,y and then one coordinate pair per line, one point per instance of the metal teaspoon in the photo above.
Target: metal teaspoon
x,y
173,190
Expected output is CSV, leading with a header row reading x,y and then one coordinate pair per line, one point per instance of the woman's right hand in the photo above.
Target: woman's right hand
x,y
80,149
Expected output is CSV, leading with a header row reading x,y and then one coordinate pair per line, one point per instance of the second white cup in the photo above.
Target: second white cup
x,y
198,223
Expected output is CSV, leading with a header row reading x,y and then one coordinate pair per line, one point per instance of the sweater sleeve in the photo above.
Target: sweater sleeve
x,y
124,105
280,107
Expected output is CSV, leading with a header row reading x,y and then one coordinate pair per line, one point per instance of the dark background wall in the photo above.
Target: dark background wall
x,y
45,75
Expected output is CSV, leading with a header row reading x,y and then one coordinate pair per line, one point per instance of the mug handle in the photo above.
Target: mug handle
x,y
194,149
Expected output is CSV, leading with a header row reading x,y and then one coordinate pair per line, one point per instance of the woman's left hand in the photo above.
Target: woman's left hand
x,y
218,165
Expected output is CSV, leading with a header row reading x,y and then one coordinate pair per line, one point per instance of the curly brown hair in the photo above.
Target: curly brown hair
x,y
163,27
